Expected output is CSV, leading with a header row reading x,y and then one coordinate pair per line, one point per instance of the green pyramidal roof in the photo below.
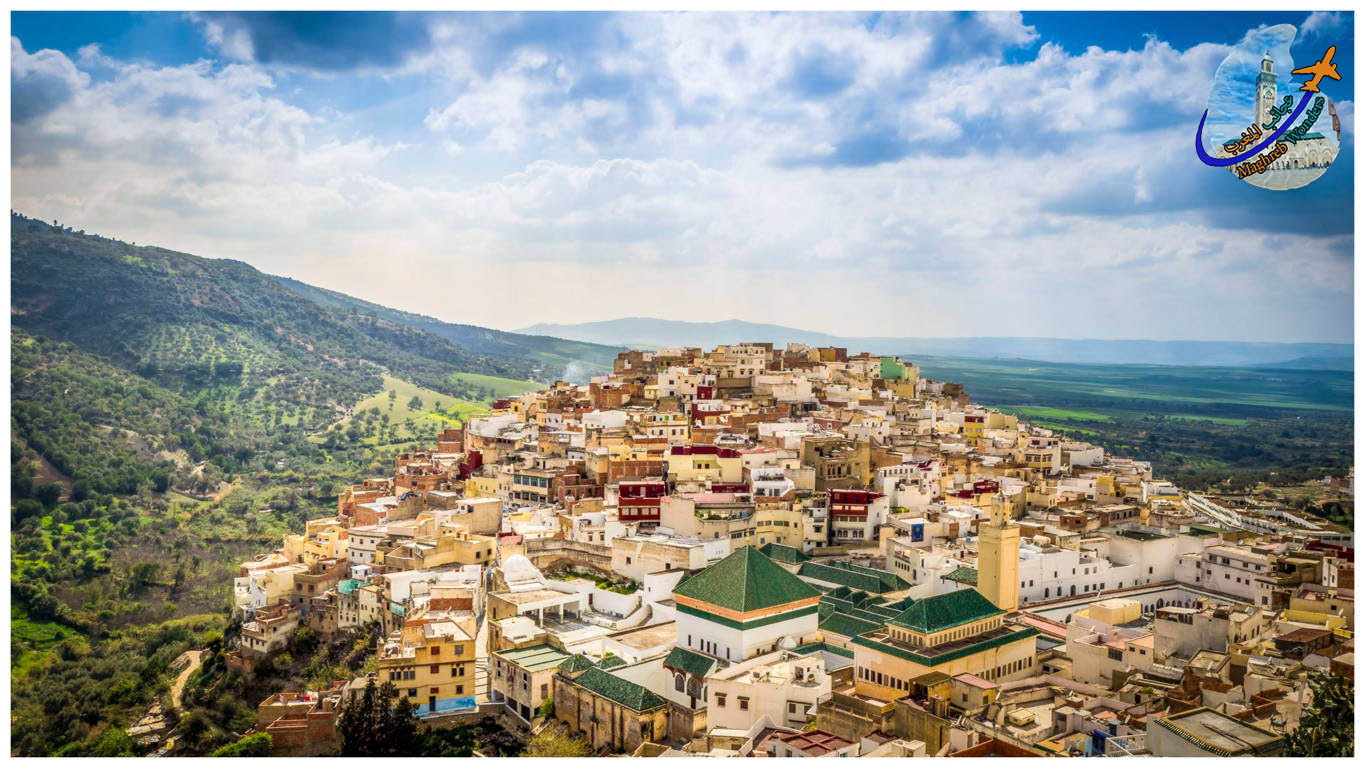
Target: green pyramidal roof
x,y
576,663
947,610
783,554
745,581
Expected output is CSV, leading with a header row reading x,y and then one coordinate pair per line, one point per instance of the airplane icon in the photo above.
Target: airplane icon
x,y
1321,68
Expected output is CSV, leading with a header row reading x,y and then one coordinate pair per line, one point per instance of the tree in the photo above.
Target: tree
x,y
415,403
48,494
448,742
552,742
144,574
114,743
255,745
372,725
1326,729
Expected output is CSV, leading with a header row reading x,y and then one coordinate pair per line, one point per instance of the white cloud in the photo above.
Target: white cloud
x,y
1035,197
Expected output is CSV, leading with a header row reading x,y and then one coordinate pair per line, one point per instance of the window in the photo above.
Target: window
x,y
435,668
744,703
412,693
720,699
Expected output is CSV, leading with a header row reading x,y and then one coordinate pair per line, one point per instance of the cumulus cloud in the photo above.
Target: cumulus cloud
x,y
891,173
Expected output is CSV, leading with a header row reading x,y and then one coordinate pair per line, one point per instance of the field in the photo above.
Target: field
x,y
494,386
403,412
1170,390
1199,426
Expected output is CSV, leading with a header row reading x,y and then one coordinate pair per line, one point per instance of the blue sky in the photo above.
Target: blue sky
x,y
888,173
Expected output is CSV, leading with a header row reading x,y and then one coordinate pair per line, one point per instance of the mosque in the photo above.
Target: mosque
x,y
1313,154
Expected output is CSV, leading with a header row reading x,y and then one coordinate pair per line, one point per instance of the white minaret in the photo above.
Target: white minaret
x,y
1265,90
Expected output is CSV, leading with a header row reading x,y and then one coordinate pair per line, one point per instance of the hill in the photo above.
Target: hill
x,y
192,322
170,416
649,332
558,357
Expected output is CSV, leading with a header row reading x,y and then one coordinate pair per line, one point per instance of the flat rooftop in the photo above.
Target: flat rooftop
x,y
1220,731
644,638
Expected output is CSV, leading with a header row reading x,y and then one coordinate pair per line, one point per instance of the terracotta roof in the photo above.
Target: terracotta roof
x,y
815,742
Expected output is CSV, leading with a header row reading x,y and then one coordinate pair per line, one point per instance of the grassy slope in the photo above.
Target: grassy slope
x,y
408,424
554,358
499,386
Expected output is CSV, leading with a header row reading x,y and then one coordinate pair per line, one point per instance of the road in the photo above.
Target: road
x,y
196,659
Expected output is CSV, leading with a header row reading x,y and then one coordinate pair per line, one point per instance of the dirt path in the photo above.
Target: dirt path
x,y
196,659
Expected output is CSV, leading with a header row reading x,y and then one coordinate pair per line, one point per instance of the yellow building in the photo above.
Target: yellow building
x,y
779,525
998,559
973,427
703,463
452,545
430,660
476,487
953,633
321,539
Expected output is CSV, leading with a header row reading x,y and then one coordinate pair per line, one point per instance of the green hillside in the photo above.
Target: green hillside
x,y
171,417
554,358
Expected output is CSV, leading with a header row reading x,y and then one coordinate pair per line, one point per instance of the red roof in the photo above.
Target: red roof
x,y
815,742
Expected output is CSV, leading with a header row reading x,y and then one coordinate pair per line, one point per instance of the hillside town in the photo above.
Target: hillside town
x,y
792,552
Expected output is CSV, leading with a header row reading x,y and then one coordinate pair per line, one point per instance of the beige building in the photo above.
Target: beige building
x,y
430,660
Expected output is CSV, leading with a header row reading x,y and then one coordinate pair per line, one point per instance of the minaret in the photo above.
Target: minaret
x,y
997,558
1265,90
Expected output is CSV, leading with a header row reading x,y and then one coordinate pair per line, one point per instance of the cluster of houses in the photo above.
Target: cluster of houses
x,y
800,552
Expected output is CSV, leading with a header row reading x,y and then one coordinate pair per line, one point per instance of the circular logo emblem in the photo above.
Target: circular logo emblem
x,y
1269,123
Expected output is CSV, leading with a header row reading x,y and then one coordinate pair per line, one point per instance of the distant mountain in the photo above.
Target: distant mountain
x,y
648,332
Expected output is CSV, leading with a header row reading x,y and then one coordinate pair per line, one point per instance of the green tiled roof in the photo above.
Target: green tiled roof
x,y
576,663
783,553
689,661
745,581
957,653
963,575
611,662
856,577
826,647
848,626
630,695
865,609
951,609
536,657
899,605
